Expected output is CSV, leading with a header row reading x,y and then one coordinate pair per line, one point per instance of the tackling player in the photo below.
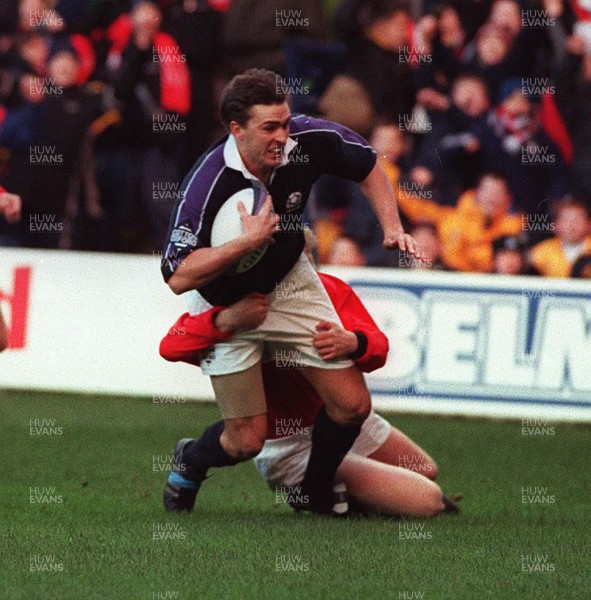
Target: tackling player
x,y
257,154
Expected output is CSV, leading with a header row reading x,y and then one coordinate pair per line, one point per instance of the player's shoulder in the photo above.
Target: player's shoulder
x,y
305,127
208,167
300,123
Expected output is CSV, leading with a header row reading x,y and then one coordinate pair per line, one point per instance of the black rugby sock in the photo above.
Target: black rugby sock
x,y
330,443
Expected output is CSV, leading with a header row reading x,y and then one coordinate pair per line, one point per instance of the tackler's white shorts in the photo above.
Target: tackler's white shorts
x,y
282,462
298,303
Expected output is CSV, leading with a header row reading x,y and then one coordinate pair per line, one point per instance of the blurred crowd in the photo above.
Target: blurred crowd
x,y
480,111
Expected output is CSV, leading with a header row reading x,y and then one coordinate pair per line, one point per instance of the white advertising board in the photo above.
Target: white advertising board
x,y
90,322
507,347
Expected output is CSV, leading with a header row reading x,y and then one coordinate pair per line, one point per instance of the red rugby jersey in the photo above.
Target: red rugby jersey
x,y
292,403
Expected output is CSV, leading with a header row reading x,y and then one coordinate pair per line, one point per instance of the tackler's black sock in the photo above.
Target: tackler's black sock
x,y
330,443
206,452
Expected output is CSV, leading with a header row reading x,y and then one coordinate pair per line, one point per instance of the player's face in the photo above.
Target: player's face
x,y
261,141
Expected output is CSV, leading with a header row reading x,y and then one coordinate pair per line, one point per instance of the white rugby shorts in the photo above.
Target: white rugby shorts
x,y
298,303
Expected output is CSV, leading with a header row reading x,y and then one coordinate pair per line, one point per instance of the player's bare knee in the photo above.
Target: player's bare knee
x,y
244,447
360,408
353,411
350,415
249,443
243,438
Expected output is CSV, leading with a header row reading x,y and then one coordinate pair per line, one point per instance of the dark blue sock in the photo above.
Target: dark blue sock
x,y
206,452
330,443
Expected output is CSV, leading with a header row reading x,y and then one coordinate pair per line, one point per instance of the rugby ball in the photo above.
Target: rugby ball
x,y
227,225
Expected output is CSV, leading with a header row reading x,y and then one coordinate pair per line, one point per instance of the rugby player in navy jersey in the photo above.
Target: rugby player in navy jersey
x,y
255,154
385,471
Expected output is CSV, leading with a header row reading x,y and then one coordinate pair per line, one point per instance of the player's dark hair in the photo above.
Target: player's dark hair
x,y
255,86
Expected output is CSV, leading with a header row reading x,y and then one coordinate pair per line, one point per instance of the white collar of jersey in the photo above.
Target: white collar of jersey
x,y
233,159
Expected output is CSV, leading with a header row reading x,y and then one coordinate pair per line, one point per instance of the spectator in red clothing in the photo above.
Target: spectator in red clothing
x,y
46,137
385,471
139,163
513,143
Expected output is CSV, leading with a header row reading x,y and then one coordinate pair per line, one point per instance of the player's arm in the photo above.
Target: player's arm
x,y
344,153
359,338
193,333
205,264
378,190
372,349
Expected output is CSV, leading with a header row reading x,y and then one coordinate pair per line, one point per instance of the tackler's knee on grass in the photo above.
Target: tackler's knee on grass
x,y
390,490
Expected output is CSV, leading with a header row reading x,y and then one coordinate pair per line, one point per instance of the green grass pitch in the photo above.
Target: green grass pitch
x,y
81,515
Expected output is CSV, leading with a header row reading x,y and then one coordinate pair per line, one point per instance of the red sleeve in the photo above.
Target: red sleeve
x,y
86,57
191,334
2,190
355,317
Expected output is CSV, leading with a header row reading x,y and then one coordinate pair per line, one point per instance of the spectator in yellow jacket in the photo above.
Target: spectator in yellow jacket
x,y
467,231
556,256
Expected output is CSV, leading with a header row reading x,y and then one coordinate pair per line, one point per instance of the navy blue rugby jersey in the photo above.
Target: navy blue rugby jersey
x,y
314,147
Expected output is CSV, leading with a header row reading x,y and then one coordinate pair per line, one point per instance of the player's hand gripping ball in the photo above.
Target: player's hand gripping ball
x,y
229,224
